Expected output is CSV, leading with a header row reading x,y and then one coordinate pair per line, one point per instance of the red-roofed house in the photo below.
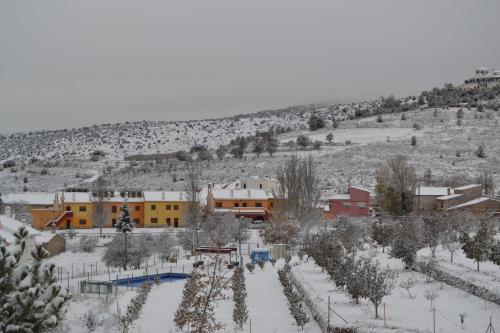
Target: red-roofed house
x,y
356,203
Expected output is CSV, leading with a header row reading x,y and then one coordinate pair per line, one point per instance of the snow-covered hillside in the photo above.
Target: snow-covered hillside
x,y
151,137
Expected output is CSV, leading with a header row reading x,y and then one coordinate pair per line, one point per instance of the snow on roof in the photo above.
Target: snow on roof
x,y
32,198
340,197
473,202
466,187
433,191
360,188
240,194
77,196
120,199
165,196
10,225
448,197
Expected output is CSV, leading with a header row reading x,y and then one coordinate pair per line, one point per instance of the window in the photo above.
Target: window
x,y
442,204
137,208
82,222
154,220
272,204
176,207
236,204
218,204
260,186
113,222
168,221
169,207
258,204
83,208
113,209
361,204
153,207
137,221
68,209
245,185
346,204
244,204
176,222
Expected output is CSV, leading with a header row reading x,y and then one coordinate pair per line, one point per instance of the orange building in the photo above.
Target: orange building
x,y
252,203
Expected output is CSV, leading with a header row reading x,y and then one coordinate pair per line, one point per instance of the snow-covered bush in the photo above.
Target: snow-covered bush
x,y
87,243
294,300
91,321
135,306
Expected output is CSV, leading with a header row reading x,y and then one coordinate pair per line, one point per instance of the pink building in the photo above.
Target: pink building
x,y
356,203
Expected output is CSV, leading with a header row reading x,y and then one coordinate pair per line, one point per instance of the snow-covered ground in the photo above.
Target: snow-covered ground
x,y
404,314
267,306
488,275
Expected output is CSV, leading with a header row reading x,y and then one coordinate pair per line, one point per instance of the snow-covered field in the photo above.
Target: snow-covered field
x,y
488,275
404,314
267,306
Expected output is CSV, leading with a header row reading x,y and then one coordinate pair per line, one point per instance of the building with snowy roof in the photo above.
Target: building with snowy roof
x,y
483,78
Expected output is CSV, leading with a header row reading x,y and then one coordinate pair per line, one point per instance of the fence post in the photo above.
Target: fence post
x,y
328,326
385,317
68,280
434,320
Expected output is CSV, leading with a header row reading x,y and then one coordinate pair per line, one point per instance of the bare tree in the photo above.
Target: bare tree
x,y
99,214
396,185
298,191
192,188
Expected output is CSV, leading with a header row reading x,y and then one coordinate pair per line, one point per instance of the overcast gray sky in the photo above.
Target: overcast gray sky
x,y
67,64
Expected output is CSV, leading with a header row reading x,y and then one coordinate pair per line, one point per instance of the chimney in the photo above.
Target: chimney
x,y
162,195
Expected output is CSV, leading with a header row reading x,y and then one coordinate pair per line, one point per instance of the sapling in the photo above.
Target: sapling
x,y
250,267
407,285
431,295
462,319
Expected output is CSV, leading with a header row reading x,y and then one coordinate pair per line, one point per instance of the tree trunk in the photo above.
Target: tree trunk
x,y
478,265
376,311
126,254
451,258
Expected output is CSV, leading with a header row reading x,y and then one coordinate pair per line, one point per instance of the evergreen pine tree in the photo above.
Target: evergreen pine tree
x,y
125,225
30,299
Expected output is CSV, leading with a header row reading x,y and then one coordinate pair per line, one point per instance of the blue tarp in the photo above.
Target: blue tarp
x,y
260,254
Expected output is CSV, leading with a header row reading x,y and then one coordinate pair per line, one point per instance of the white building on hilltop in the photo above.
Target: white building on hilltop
x,y
483,78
